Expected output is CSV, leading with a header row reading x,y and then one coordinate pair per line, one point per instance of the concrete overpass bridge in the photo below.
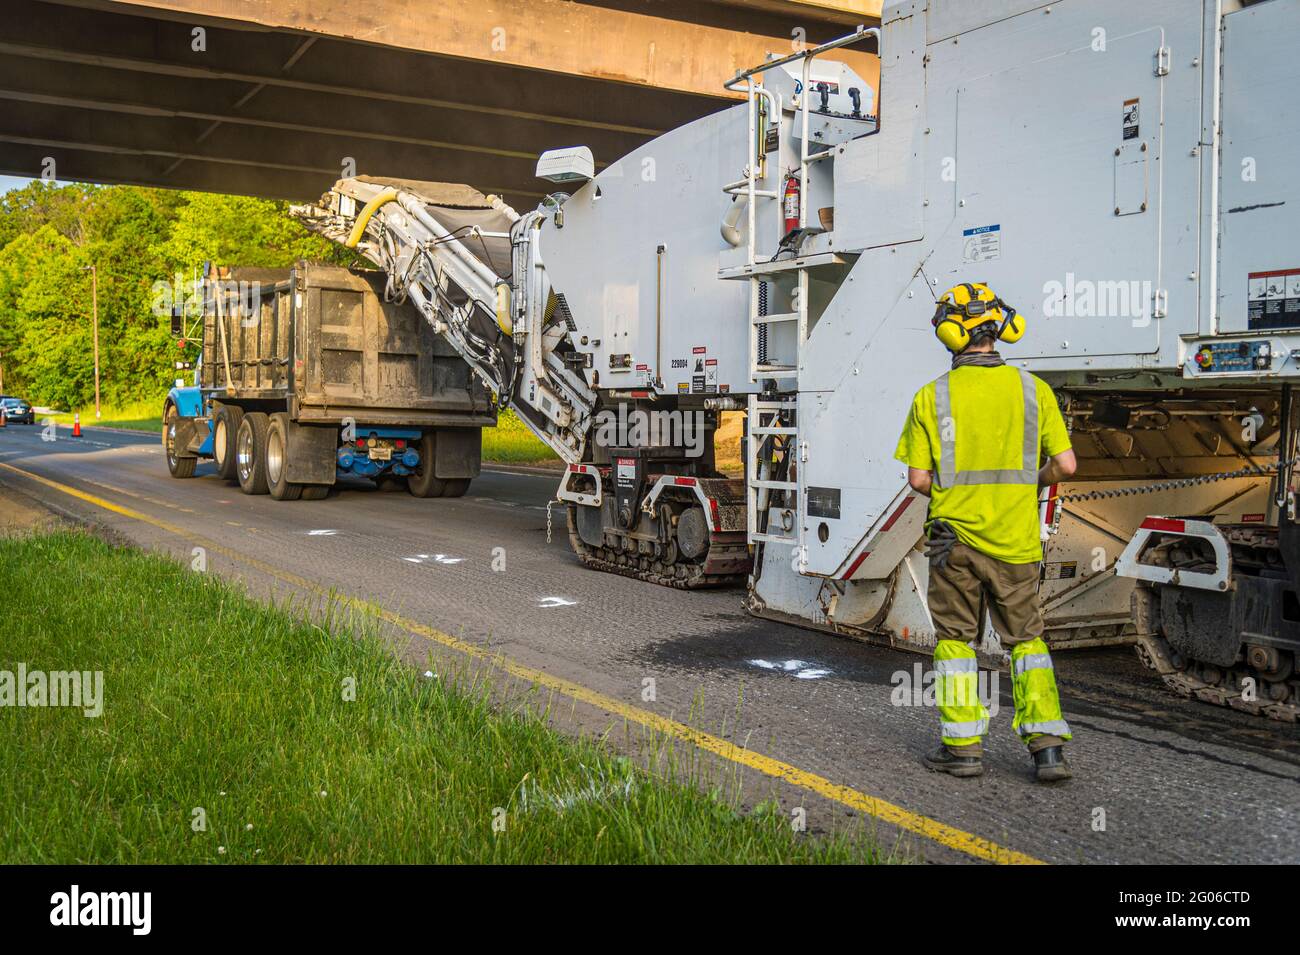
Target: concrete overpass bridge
x,y
275,97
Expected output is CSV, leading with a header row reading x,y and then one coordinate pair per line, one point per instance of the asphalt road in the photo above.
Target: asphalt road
x,y
1157,778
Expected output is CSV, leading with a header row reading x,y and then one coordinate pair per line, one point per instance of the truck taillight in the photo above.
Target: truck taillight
x,y
361,442
400,442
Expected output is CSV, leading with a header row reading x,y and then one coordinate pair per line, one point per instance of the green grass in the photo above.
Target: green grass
x,y
212,700
510,442
135,416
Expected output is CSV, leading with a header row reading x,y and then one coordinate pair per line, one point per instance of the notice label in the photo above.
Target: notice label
x,y
1273,299
981,244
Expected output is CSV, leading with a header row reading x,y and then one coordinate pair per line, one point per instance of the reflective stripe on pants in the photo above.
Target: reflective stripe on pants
x,y
963,720
1033,686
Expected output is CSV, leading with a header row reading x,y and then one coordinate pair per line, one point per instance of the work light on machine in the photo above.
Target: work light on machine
x,y
570,164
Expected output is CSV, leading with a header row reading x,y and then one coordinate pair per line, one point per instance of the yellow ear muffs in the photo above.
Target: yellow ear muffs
x,y
953,334
1013,329
1013,326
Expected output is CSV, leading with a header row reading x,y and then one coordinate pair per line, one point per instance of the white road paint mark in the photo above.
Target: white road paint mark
x,y
325,532
546,603
437,558
796,668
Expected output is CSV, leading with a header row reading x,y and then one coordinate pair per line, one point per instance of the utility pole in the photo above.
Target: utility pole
x,y
94,305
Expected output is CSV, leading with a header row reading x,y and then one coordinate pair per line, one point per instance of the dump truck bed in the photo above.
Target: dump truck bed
x,y
324,339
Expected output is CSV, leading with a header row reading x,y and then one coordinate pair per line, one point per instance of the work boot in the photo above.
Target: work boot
x,y
1050,765
942,760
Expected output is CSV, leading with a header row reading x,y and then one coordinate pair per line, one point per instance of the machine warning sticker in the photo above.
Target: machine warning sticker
x,y
699,350
1132,118
982,244
1060,570
1273,299
683,387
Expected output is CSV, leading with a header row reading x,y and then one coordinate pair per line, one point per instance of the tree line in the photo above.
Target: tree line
x,y
50,236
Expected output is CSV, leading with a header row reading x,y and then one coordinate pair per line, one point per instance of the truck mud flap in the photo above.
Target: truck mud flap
x,y
457,452
311,454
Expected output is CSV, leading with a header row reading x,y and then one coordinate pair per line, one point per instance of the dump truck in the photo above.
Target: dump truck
x,y
1118,172
306,375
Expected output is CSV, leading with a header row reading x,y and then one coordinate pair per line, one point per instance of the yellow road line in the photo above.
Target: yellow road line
x,y
931,829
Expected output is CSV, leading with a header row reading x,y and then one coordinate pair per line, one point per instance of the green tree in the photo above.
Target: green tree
x,y
239,230
135,238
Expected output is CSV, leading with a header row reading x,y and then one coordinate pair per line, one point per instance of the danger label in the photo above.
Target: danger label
x,y
1273,298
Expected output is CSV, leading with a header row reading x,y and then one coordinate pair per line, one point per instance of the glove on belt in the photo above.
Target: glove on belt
x,y
939,544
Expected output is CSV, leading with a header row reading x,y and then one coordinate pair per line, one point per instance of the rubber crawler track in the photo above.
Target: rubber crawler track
x,y
1156,654
685,576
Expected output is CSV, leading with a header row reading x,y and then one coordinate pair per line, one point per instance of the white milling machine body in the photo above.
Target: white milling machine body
x,y
1122,173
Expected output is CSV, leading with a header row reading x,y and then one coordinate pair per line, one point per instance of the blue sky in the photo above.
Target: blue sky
x,y
12,182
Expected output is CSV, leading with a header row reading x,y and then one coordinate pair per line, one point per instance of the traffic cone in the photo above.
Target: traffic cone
x,y
76,424
4,420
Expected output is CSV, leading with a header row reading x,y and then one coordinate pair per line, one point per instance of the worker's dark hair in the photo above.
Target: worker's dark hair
x,y
988,332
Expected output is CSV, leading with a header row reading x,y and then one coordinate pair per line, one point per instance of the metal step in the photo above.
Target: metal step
x,y
776,317
813,260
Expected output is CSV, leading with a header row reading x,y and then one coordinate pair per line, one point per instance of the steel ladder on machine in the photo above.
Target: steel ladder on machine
x,y
775,417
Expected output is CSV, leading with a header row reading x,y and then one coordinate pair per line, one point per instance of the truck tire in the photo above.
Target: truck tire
x,y
315,492
277,459
225,425
423,483
455,487
179,467
250,453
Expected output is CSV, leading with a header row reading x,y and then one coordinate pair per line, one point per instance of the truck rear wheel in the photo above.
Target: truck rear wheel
x,y
225,425
423,483
277,459
455,487
250,453
178,466
315,492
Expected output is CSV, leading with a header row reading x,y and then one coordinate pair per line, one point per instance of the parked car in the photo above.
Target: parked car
x,y
17,411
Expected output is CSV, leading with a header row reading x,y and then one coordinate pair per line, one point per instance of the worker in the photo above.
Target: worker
x,y
972,445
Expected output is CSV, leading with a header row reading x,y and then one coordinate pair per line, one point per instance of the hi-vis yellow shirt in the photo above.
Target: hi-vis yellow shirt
x,y
984,433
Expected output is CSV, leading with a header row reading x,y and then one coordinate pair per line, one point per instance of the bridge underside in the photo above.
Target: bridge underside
x,y
281,98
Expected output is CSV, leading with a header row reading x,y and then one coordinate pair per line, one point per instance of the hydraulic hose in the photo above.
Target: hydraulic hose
x,y
369,209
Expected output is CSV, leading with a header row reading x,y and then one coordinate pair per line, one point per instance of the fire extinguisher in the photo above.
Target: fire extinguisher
x,y
790,204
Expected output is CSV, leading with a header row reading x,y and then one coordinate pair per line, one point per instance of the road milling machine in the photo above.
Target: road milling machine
x,y
1122,173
